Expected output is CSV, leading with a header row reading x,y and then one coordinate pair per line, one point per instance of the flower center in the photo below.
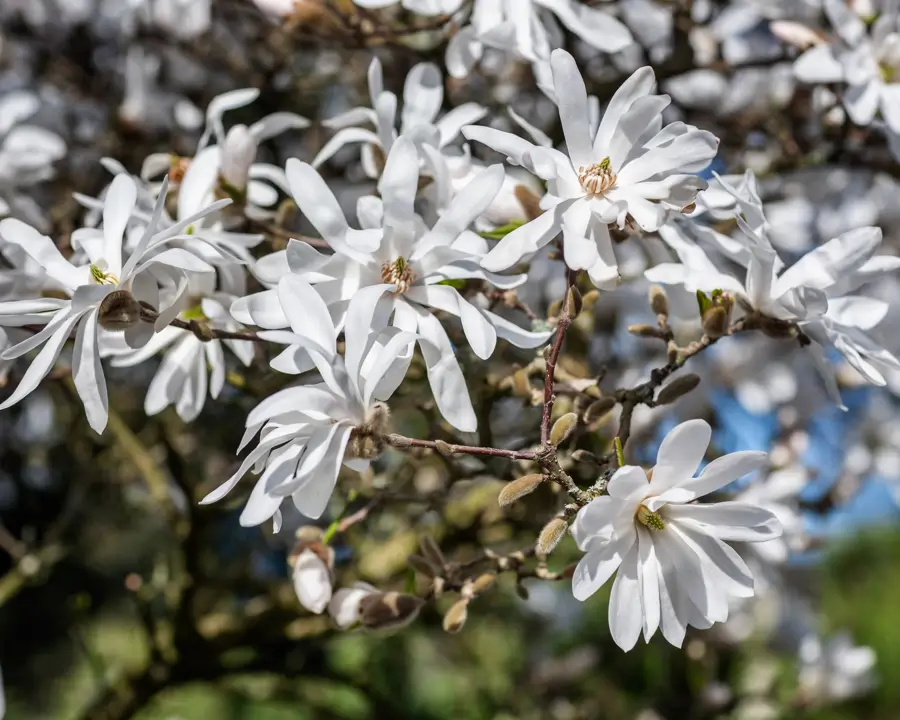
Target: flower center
x,y
598,178
398,273
888,72
101,277
647,517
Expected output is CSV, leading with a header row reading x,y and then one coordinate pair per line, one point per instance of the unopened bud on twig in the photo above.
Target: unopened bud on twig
x,y
659,303
679,387
598,409
574,302
119,311
482,583
644,330
388,610
521,383
590,297
715,322
443,448
563,428
455,618
519,488
550,536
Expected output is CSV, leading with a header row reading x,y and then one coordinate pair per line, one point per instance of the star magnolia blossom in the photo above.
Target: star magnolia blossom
x,y
397,248
632,168
868,63
229,166
190,367
814,292
304,431
27,154
674,568
526,29
423,95
101,293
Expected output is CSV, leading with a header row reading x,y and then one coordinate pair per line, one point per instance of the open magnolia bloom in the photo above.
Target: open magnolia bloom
x,y
228,168
394,247
423,95
867,61
191,368
27,154
674,566
527,30
632,169
105,292
305,431
816,292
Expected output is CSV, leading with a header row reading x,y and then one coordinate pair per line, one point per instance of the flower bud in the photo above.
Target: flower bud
x,y
598,409
574,302
659,303
715,322
443,448
590,297
455,617
238,154
551,535
521,383
519,488
482,583
644,330
585,456
119,311
312,581
679,387
563,428
389,610
344,604
530,202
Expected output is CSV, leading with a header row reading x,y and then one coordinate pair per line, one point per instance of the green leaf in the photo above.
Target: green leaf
x,y
703,301
501,232
456,283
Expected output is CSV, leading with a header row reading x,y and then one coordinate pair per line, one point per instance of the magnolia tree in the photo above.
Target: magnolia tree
x,y
623,268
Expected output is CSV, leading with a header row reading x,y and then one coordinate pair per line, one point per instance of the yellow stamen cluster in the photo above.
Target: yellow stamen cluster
x,y
647,517
598,178
398,273
103,278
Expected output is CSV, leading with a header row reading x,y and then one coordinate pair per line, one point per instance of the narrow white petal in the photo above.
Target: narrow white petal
x,y
625,616
600,562
87,372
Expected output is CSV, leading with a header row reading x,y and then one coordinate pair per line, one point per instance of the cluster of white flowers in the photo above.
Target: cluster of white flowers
x,y
170,267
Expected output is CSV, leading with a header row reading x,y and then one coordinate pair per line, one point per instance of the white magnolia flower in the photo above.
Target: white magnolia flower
x,y
395,247
815,292
190,368
184,19
312,581
27,154
422,7
633,168
423,95
228,167
868,62
103,292
674,568
344,606
527,30
304,431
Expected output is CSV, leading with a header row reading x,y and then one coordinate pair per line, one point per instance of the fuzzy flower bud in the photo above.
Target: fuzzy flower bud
x,y
238,154
563,428
455,618
519,488
679,387
551,535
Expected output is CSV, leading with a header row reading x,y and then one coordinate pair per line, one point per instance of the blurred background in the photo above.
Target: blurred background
x,y
121,597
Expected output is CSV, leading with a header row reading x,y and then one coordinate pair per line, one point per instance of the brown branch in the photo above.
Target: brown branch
x,y
445,448
565,319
